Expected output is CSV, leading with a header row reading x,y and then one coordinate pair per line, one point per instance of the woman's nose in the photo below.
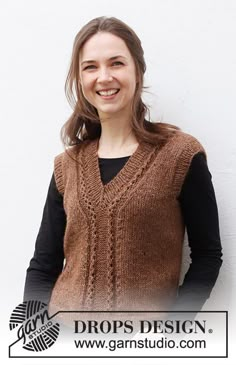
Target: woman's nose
x,y
104,75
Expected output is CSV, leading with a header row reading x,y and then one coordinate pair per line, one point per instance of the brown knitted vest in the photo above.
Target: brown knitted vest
x,y
123,240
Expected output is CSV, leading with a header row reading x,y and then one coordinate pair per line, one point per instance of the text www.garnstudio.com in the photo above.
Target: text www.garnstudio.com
x,y
145,343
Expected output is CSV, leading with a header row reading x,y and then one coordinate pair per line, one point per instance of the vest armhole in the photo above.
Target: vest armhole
x,y
192,148
58,173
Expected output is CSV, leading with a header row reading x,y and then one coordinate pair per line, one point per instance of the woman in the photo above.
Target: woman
x,y
123,193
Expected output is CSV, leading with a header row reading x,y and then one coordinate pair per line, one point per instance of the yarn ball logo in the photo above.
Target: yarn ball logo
x,y
34,326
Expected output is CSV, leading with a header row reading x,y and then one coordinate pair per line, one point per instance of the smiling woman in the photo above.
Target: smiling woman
x,y
123,193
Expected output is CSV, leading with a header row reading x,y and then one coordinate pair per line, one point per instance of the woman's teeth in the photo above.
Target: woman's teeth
x,y
108,92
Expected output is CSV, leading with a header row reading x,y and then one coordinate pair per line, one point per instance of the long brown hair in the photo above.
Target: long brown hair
x,y
84,122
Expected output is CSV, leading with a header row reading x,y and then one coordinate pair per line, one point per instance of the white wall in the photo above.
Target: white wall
x,y
191,58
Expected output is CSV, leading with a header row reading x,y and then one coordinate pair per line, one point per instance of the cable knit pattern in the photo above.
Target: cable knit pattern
x,y
123,240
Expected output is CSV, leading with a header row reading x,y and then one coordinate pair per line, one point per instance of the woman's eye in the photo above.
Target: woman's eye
x,y
90,67
117,63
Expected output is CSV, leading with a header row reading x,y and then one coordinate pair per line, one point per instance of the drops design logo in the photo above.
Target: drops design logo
x,y
34,326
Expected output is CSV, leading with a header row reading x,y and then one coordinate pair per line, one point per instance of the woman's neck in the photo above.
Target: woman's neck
x,y
117,139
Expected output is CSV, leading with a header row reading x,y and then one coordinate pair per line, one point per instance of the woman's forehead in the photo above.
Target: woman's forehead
x,y
105,45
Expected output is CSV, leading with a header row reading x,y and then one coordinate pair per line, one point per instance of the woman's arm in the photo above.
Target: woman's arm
x,y
47,262
199,209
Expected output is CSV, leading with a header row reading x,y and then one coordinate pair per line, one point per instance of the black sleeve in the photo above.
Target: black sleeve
x,y
47,262
200,213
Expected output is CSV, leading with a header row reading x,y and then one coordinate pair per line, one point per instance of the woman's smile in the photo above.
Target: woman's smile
x,y
108,94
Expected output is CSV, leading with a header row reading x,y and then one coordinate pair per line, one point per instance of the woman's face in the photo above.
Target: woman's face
x,y
108,75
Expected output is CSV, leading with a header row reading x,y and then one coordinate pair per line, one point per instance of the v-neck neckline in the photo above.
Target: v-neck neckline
x,y
130,172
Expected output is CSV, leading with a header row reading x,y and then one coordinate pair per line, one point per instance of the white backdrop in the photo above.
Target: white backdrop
x,y
190,53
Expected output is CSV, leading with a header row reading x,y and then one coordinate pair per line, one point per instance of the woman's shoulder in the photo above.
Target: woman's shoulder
x,y
185,137
186,141
64,164
71,153
182,145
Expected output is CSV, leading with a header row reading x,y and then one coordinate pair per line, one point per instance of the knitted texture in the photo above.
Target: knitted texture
x,y
123,240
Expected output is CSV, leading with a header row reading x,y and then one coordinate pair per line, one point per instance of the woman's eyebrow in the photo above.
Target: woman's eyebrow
x,y
115,57
110,59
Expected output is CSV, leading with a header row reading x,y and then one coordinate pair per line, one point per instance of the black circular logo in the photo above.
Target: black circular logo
x,y
34,326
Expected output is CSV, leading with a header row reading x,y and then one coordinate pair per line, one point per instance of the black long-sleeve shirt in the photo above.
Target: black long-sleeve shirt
x,y
199,209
